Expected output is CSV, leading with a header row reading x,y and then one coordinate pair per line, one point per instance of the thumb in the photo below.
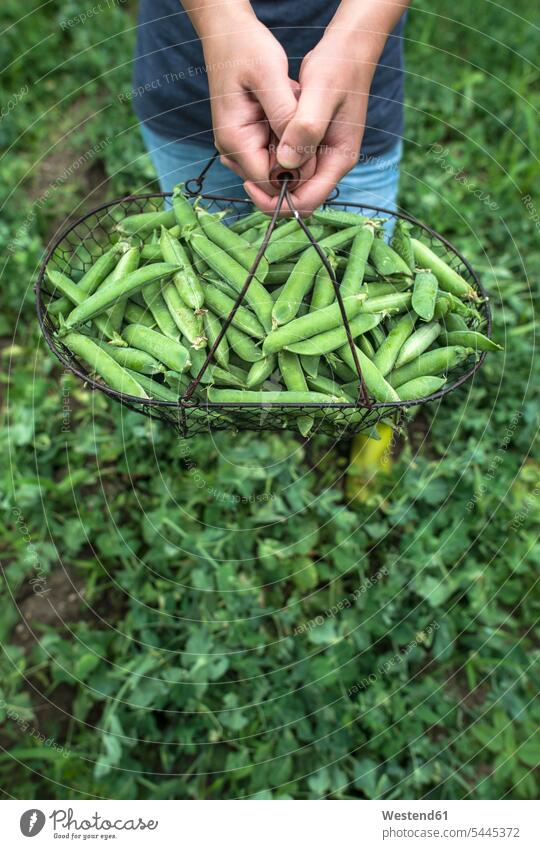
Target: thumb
x,y
306,130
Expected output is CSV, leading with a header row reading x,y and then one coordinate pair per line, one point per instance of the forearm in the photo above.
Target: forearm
x,y
212,17
366,25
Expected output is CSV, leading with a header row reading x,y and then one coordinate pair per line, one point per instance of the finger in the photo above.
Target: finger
x,y
229,163
278,101
306,130
263,201
266,201
332,165
309,195
245,151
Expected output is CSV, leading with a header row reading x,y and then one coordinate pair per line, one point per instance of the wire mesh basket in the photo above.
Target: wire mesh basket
x,y
78,247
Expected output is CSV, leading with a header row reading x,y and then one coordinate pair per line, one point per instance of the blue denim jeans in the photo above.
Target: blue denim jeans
x,y
373,182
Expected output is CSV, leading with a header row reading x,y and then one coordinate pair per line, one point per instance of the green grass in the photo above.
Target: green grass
x,y
207,627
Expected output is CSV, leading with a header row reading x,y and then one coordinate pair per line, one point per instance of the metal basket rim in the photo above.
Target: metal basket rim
x,y
181,405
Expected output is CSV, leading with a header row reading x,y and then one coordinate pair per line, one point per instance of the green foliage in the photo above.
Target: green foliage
x,y
212,619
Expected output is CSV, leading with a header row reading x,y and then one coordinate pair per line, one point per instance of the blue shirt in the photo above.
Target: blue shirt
x,y
170,87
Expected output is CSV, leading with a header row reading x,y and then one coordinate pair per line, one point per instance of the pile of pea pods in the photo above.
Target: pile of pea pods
x,y
143,317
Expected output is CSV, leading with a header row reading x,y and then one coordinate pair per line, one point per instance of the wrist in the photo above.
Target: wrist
x,y
213,18
361,29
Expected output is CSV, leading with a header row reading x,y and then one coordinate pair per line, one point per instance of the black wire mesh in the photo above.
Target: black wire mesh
x,y
78,247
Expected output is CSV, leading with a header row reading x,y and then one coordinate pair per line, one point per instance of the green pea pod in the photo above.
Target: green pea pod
x,y
252,235
152,253
303,275
311,324
377,290
231,243
187,284
183,212
224,265
452,321
261,371
418,342
310,364
279,273
329,386
235,377
282,230
336,366
253,219
456,305
331,340
471,339
108,295
132,359
395,303
144,223
169,352
449,280
135,314
155,302
177,382
295,381
198,358
323,290
420,387
222,285
239,397
435,362
288,246
243,319
386,261
442,306
401,242
212,329
103,364
352,282
375,382
366,346
424,294
339,218
72,294
243,345
387,354
93,278
127,263
378,335
155,389
218,376
189,323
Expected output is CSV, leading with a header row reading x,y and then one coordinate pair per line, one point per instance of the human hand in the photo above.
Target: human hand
x,y
335,78
327,126
251,96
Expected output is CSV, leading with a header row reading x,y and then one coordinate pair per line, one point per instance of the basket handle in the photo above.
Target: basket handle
x,y
284,194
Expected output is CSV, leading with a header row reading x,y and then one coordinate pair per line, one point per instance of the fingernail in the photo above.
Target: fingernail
x,y
288,157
